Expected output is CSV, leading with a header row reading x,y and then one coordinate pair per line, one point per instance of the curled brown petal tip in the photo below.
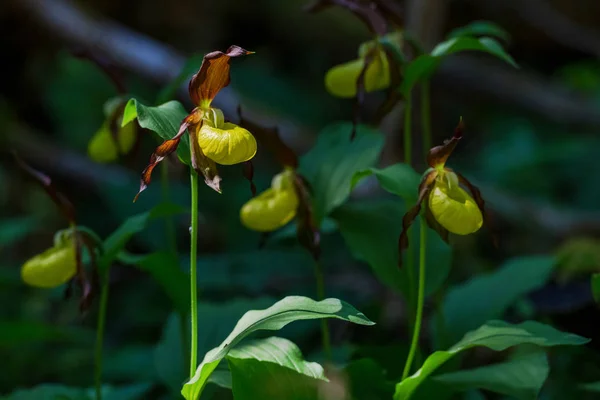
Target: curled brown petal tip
x,y
270,138
213,74
61,201
425,188
439,154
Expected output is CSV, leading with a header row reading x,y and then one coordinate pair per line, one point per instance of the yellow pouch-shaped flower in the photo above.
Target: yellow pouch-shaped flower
x,y
227,145
341,80
453,207
270,210
52,268
102,147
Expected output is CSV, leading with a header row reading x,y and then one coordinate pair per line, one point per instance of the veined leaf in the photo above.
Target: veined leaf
x,y
164,120
399,179
290,309
495,335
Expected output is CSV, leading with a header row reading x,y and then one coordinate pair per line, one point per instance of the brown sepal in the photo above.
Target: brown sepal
x,y
202,164
393,96
269,137
370,15
480,203
360,90
439,154
248,171
425,188
213,74
163,150
61,201
83,282
307,231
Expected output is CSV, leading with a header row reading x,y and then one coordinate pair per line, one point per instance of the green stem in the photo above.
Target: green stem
x,y
426,115
100,333
193,274
320,296
407,130
420,299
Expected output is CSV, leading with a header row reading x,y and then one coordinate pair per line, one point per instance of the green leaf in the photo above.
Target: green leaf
x,y
132,225
485,44
521,377
488,296
331,164
399,179
164,120
480,28
367,380
19,332
273,368
371,230
595,281
495,335
164,268
292,308
419,69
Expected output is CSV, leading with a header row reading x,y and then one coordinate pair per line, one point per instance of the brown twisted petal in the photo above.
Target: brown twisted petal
x,y
61,201
164,149
269,137
307,231
213,75
439,154
479,201
202,164
360,89
425,187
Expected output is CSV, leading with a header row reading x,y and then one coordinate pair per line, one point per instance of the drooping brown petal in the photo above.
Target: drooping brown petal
x,y
360,89
371,16
163,150
61,201
213,74
307,231
439,154
393,96
425,188
480,203
269,137
202,164
84,284
248,171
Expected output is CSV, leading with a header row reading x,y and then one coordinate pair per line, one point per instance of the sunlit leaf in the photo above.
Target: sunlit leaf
x,y
290,309
495,335
331,164
488,296
485,44
480,28
521,377
164,120
399,179
273,368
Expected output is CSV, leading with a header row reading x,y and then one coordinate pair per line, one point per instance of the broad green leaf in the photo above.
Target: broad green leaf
x,y
367,380
18,332
216,319
132,225
290,309
595,281
164,268
331,164
521,377
164,120
273,368
59,392
485,44
488,296
480,28
371,230
495,335
399,179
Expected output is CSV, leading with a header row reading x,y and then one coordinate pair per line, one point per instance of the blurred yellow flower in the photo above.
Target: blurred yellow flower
x,y
52,268
103,146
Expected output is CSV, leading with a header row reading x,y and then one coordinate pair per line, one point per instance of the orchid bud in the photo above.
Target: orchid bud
x,y
342,80
52,268
104,147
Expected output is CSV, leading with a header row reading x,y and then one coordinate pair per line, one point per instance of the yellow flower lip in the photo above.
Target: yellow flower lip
x,y
270,210
341,80
227,144
453,207
52,268
102,147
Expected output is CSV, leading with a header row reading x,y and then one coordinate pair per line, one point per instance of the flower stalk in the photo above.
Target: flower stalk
x,y
193,274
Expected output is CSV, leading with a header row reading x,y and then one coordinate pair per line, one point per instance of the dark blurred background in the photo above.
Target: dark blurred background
x,y
531,145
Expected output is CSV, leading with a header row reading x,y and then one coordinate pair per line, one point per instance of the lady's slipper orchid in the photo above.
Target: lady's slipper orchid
x,y
112,140
448,207
52,268
212,140
273,208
